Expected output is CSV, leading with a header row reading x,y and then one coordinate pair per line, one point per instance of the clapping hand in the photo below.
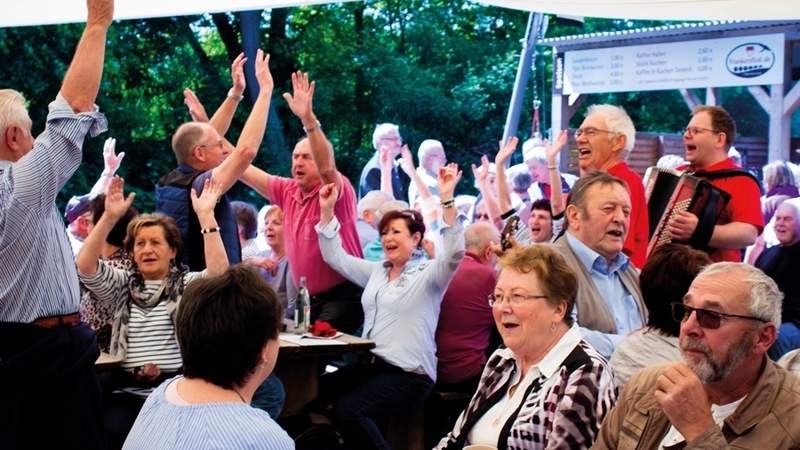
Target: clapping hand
x,y
111,160
552,150
263,74
116,204
205,203
407,163
481,172
506,150
196,108
302,96
386,159
237,75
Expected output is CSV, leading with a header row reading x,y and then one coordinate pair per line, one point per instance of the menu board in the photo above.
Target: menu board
x,y
736,61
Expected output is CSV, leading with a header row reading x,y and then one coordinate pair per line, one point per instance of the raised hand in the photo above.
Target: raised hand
x,y
448,178
481,173
196,109
205,203
407,163
429,248
263,74
328,194
302,96
386,159
237,75
111,160
552,150
116,204
506,150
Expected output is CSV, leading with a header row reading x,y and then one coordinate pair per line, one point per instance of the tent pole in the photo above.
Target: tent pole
x,y
526,59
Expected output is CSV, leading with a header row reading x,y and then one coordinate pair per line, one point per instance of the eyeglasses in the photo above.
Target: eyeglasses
x,y
705,317
590,132
217,144
481,216
514,299
691,131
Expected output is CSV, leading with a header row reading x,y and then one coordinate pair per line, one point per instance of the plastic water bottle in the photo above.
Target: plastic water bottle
x,y
302,308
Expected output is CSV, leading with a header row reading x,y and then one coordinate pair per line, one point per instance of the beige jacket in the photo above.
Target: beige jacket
x,y
768,418
593,313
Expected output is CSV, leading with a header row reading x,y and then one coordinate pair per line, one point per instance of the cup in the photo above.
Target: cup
x,y
480,447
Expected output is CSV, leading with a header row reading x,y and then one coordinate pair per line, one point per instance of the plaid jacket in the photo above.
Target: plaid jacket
x,y
560,412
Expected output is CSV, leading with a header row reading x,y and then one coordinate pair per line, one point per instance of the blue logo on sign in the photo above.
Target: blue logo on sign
x,y
750,60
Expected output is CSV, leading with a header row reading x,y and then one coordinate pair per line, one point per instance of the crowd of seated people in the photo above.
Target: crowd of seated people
x,y
590,351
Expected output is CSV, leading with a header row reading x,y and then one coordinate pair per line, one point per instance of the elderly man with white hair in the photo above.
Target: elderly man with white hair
x,y
605,139
385,138
726,393
431,156
780,263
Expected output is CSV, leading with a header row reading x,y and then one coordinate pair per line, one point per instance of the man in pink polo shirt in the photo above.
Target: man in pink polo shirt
x,y
333,298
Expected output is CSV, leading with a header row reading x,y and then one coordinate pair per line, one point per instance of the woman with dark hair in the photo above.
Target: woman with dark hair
x,y
227,328
401,301
665,278
144,299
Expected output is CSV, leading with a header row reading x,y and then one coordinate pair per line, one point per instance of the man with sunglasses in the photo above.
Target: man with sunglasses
x,y
203,152
707,138
604,140
726,392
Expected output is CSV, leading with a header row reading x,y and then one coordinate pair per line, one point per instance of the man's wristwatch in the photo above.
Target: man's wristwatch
x,y
313,128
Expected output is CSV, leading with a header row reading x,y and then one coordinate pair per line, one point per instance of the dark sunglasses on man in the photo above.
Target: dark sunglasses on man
x,y
707,318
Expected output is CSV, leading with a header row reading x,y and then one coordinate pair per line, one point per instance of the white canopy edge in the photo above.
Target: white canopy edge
x,y
47,12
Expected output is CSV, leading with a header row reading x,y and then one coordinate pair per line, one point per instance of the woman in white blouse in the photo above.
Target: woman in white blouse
x,y
401,301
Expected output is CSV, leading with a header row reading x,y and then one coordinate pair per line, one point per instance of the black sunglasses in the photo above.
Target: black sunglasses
x,y
705,317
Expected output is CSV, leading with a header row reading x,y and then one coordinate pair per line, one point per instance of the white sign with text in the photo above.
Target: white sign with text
x,y
737,61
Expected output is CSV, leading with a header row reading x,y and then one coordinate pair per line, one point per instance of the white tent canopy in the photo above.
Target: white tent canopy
x,y
45,12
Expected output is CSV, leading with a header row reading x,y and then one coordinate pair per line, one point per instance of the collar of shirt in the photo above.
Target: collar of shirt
x,y
552,361
593,260
301,197
4,165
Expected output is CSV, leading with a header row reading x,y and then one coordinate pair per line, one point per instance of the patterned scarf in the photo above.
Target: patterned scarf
x,y
170,292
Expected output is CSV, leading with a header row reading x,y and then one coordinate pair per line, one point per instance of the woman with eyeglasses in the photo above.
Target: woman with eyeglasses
x,y
665,278
547,388
401,301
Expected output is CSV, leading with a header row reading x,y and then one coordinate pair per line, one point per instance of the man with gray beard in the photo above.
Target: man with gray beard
x,y
726,393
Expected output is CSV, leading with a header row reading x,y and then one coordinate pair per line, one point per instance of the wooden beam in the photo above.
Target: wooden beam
x,y
560,115
779,127
692,101
762,97
792,100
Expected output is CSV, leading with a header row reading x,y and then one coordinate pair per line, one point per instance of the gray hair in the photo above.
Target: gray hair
x,y
618,121
533,151
479,235
12,109
427,147
778,173
382,130
765,299
372,200
392,205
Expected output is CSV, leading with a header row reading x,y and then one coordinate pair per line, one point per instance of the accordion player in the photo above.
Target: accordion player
x,y
668,192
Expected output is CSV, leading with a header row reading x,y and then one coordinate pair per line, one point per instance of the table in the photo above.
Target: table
x,y
298,366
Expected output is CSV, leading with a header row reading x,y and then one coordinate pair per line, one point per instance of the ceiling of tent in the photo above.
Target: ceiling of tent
x,y
42,12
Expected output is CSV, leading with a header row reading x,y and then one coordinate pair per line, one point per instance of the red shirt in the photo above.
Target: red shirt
x,y
300,215
639,229
465,322
744,206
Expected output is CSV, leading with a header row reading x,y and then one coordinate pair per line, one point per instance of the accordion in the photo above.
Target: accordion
x,y
669,192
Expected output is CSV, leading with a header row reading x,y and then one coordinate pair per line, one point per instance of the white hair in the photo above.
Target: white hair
x,y
534,153
372,200
479,235
618,121
382,130
12,109
428,147
670,162
765,299
392,205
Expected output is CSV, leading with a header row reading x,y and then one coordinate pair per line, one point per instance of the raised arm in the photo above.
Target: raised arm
x,y
115,207
111,163
253,132
203,205
448,179
301,103
387,164
407,164
82,80
500,160
482,178
221,120
557,200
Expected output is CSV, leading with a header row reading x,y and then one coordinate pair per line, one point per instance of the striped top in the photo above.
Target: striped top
x,y
165,425
151,331
38,276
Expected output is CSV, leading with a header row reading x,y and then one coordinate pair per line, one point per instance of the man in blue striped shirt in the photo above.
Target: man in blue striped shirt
x,y
49,396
